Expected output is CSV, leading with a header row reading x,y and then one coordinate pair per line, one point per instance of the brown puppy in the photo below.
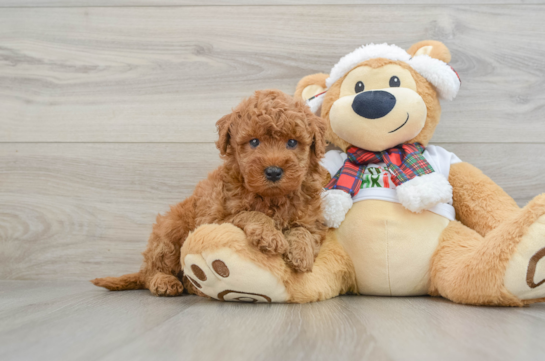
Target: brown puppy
x,y
269,185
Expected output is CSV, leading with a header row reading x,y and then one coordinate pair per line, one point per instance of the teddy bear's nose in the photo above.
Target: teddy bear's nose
x,y
373,104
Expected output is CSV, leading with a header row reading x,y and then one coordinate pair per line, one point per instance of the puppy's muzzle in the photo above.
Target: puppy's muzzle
x,y
274,174
373,104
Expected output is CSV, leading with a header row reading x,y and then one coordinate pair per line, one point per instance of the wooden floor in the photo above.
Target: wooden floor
x,y
107,113
75,321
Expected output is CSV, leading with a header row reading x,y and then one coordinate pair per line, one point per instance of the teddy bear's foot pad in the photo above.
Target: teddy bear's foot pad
x,y
224,275
525,275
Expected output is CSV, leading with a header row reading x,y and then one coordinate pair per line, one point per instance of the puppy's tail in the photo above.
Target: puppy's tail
x,y
131,281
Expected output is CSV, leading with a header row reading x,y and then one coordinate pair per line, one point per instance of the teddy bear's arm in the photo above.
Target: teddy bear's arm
x,y
479,202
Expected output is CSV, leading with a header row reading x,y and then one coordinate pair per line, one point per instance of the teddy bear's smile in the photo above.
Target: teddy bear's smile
x,y
402,125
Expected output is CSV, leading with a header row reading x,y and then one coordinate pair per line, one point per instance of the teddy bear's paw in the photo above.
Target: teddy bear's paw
x,y
336,204
226,276
424,192
525,274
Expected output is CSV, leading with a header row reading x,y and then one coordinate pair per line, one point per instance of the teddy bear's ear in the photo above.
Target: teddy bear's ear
x,y
432,48
310,86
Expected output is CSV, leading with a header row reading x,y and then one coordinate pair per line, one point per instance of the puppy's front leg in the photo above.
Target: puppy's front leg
x,y
302,249
261,232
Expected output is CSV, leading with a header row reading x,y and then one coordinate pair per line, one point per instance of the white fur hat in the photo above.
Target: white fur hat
x,y
440,74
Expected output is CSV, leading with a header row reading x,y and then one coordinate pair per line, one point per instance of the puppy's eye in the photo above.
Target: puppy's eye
x,y
359,87
254,143
292,143
394,82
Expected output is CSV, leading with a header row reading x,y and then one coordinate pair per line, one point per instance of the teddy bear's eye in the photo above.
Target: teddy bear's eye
x,y
359,87
254,143
394,82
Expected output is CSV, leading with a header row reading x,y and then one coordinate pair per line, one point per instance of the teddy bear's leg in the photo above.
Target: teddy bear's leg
x,y
222,264
506,267
525,274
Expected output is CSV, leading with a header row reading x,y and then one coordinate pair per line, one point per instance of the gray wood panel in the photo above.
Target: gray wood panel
x,y
77,321
160,3
167,74
157,3
82,325
69,210
351,328
80,211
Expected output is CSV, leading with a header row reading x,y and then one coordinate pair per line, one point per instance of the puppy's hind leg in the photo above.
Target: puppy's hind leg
x,y
162,284
162,255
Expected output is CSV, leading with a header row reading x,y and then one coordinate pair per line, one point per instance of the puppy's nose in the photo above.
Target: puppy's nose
x,y
373,104
273,173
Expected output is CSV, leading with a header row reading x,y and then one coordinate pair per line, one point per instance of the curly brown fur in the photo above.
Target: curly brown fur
x,y
238,192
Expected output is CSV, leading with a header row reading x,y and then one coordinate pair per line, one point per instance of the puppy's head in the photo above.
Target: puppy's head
x,y
275,141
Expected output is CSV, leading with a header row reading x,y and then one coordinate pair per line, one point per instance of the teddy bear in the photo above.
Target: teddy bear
x,y
406,218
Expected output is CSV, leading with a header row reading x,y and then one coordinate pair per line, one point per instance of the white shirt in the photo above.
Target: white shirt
x,y
377,182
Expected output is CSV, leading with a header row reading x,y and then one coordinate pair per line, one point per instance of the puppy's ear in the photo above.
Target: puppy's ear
x,y
319,128
223,126
310,86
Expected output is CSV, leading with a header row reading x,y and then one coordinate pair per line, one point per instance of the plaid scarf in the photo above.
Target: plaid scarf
x,y
404,162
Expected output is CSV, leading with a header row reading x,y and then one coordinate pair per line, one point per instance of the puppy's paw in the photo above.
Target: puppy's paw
x,y
163,284
266,238
300,256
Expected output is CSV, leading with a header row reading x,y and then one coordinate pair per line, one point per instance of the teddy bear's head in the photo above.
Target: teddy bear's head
x,y
380,95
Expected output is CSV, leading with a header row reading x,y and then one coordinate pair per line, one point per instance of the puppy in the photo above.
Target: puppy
x,y
269,186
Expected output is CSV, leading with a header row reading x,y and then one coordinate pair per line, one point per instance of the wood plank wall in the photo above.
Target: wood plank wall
x,y
107,108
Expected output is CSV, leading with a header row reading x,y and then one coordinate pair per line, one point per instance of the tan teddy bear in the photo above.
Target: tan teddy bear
x,y
408,218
